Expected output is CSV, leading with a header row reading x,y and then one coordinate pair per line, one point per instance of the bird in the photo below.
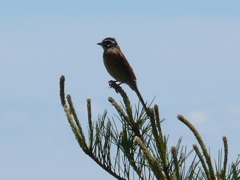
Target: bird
x,y
118,66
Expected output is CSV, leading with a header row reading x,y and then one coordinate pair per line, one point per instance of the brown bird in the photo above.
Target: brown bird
x,y
118,66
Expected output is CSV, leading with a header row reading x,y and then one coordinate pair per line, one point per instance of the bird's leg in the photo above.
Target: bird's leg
x,y
114,85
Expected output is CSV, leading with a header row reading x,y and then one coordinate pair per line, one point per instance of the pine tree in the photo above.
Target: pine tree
x,y
139,150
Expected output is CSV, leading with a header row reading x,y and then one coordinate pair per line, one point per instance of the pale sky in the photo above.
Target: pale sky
x,y
186,54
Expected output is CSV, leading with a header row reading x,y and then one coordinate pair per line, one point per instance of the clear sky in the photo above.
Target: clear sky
x,y
186,53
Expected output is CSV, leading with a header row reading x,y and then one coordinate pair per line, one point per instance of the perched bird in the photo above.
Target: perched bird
x,y
118,66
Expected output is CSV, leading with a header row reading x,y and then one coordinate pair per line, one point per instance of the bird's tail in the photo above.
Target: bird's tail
x,y
141,100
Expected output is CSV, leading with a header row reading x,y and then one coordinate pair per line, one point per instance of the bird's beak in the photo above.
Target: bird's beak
x,y
99,43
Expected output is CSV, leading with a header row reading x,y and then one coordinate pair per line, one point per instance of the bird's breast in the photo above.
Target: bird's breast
x,y
113,66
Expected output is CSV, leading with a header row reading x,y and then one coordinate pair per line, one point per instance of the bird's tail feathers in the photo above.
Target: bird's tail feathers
x,y
141,100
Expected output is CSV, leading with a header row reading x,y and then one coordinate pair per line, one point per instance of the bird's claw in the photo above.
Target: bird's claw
x,y
114,85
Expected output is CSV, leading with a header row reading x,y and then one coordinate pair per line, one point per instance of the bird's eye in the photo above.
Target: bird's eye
x,y
108,43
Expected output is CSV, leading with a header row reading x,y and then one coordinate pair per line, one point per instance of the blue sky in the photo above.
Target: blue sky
x,y
186,54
